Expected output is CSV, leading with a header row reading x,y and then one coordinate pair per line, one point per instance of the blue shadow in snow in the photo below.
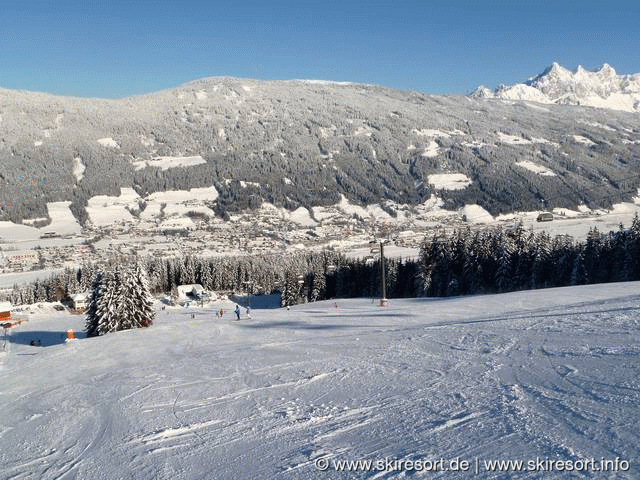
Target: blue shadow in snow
x,y
42,338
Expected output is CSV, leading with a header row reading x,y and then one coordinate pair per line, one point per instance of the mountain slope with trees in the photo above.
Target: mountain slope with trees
x,y
296,143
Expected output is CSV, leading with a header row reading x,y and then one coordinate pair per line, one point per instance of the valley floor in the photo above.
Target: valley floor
x,y
536,376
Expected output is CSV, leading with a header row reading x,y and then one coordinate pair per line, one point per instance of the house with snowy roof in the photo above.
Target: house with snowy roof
x,y
190,293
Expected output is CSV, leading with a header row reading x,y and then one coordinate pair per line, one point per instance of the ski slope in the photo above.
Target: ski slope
x,y
548,375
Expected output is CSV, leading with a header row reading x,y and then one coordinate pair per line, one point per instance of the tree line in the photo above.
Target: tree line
x,y
459,263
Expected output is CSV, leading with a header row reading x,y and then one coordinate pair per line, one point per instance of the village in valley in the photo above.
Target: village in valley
x,y
178,224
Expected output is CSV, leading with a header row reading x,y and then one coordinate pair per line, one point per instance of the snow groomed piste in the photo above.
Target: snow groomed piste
x,y
546,377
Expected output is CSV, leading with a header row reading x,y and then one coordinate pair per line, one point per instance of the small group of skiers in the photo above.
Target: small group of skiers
x,y
220,313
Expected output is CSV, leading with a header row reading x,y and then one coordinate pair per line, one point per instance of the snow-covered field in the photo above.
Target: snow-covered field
x,y
536,376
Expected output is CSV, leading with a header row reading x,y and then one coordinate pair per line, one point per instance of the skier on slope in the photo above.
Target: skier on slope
x,y
237,312
249,313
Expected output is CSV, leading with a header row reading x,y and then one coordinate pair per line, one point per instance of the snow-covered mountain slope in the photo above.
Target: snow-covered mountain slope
x,y
542,375
301,143
602,88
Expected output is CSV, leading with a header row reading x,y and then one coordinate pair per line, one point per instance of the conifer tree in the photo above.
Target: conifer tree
x,y
120,300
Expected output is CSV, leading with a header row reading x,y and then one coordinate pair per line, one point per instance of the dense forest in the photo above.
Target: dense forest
x,y
305,144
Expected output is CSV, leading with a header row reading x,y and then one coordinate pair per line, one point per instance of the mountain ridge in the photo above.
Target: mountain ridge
x,y
601,88
305,142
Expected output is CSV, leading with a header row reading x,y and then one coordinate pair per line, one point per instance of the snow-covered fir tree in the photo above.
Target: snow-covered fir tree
x,y
120,300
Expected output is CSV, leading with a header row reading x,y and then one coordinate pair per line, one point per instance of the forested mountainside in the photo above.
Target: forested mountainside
x,y
302,142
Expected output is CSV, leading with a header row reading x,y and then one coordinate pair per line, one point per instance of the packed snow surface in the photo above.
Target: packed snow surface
x,y
549,374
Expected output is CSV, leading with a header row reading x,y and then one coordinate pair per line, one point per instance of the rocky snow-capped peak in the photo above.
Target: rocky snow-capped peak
x,y
602,88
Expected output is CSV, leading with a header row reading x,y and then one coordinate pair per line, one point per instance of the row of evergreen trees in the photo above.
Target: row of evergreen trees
x,y
463,262
499,260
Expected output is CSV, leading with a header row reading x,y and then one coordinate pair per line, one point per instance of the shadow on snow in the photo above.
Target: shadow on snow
x,y
42,338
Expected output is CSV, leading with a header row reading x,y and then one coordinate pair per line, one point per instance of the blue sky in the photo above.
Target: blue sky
x,y
123,48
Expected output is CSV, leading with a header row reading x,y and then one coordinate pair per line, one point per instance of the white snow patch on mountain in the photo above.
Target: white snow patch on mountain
x,y
449,181
301,216
108,142
147,141
350,209
432,150
537,106
323,213
179,203
476,214
518,140
62,220
105,210
512,139
583,140
476,144
599,125
78,168
378,214
436,133
177,223
535,168
324,82
12,232
168,162
363,131
175,196
245,184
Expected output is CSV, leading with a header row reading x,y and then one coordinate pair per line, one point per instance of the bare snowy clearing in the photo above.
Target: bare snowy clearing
x,y
78,168
549,374
535,168
105,210
583,140
165,163
108,142
516,140
449,181
476,214
432,150
62,220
